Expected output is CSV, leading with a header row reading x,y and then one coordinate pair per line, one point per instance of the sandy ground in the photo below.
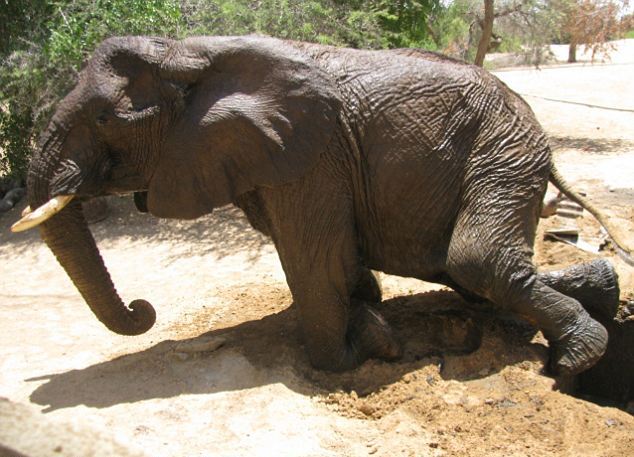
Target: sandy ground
x,y
223,371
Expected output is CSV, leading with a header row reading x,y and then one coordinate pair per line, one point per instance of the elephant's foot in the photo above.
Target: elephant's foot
x,y
594,284
580,348
370,336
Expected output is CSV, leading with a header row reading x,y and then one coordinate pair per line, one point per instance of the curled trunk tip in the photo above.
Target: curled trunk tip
x,y
142,317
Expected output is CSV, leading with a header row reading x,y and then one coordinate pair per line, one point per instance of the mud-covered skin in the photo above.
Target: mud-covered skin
x,y
399,161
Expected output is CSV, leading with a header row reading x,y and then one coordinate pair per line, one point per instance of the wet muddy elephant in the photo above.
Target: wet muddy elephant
x,y
401,161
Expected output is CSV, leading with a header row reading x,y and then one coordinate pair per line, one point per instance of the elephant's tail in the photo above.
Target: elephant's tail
x,y
622,248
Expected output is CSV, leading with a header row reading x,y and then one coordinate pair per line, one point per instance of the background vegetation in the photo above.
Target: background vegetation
x,y
44,42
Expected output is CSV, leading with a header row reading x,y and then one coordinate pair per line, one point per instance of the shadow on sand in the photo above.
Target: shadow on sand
x,y
435,329
591,145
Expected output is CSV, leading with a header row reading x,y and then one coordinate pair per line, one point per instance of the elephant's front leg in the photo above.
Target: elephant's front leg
x,y
341,333
330,287
340,330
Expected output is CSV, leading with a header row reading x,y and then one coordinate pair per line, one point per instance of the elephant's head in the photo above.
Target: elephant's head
x,y
191,124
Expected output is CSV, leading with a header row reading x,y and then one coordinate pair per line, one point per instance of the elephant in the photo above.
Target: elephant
x,y
400,161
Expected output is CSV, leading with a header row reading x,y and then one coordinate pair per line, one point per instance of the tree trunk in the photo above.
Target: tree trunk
x,y
572,52
487,31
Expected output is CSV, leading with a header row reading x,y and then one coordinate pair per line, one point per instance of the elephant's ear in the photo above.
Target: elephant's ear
x,y
256,113
126,71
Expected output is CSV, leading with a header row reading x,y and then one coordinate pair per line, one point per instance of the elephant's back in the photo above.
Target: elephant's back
x,y
417,118
415,131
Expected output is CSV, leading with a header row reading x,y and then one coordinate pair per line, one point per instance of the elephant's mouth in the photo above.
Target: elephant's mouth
x,y
70,185
106,177
125,184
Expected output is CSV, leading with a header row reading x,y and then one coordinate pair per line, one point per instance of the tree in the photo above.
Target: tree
x,y
405,21
492,12
592,23
487,30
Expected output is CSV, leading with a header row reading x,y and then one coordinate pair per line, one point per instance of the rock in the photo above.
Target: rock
x,y
11,198
25,432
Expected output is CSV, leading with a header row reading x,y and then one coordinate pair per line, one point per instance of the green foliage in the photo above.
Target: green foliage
x,y
405,21
13,124
629,34
21,20
451,29
321,21
511,43
78,26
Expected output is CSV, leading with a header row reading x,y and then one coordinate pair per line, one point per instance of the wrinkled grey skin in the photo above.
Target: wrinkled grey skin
x,y
400,161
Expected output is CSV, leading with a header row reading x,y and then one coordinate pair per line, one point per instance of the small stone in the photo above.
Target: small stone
x,y
367,409
409,378
208,345
506,403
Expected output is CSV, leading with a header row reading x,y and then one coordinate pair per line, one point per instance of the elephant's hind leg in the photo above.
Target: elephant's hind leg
x,y
595,284
490,255
505,276
577,341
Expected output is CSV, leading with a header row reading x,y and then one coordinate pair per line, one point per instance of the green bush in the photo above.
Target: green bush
x,y
450,30
321,21
13,124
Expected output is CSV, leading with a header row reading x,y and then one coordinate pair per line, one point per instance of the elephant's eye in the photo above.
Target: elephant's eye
x,y
102,119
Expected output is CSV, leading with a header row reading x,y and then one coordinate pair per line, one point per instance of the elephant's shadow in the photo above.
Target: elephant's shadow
x,y
435,328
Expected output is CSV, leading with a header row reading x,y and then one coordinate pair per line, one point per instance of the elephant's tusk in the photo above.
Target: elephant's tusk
x,y
44,212
26,211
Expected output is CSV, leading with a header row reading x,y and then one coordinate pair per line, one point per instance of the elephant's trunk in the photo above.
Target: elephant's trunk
x,y
68,236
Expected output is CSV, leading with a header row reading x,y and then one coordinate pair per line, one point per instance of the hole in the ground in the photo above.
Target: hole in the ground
x,y
611,380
